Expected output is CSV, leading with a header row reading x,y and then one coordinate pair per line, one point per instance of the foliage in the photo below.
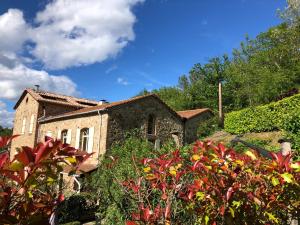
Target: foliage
x,y
28,183
211,184
78,207
268,117
5,131
272,56
116,165
207,127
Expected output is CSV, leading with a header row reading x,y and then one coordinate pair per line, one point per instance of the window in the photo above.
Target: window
x,y
23,126
151,125
64,136
31,124
84,139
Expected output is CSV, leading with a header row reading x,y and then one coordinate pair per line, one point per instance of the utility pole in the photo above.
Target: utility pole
x,y
221,119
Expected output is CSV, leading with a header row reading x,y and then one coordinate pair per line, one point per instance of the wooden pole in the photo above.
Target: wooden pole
x,y
221,119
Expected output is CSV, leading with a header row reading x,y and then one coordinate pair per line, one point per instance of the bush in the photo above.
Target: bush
x,y
211,184
28,183
79,207
117,165
282,115
207,127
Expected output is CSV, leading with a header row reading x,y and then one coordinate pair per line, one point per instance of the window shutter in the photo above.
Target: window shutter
x,y
31,124
23,126
69,137
59,134
77,138
91,140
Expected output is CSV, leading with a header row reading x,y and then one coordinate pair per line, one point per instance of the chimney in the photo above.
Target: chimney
x,y
102,102
37,87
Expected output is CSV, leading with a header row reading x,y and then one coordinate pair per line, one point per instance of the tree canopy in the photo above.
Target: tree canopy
x,y
257,72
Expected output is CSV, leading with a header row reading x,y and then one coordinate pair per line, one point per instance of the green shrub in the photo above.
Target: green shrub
x,y
78,207
281,115
207,127
73,223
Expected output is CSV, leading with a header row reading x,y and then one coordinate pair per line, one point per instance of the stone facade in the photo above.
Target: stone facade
x,y
100,126
73,124
135,115
28,107
191,126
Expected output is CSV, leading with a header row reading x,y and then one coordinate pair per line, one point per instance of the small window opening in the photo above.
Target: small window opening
x,y
84,139
64,136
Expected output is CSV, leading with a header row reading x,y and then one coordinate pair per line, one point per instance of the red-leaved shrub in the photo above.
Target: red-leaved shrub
x,y
29,183
211,184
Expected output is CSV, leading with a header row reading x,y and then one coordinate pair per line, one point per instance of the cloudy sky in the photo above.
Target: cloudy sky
x,y
112,49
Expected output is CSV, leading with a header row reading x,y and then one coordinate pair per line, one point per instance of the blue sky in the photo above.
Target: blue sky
x,y
153,43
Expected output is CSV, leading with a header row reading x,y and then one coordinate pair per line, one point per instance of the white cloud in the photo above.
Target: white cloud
x,y
75,32
15,77
66,33
14,31
122,81
6,118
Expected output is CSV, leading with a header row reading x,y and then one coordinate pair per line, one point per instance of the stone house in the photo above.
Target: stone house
x,y
95,126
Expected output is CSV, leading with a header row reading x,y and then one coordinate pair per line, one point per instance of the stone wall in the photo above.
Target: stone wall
x,y
191,126
52,109
135,115
27,108
95,121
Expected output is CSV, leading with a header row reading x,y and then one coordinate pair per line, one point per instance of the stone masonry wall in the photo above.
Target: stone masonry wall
x,y
191,126
135,116
29,106
99,122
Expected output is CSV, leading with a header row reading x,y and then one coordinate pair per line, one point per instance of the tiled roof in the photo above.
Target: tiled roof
x,y
188,114
46,96
105,107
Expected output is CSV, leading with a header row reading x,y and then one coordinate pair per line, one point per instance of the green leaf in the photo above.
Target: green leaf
x,y
272,217
206,218
71,160
236,204
16,166
200,196
251,155
275,181
30,194
287,177
296,166
231,211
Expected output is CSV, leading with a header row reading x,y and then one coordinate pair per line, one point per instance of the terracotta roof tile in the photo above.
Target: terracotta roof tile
x,y
188,114
50,97
99,107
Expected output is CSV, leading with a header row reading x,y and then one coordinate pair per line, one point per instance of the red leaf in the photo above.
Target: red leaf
x,y
4,141
25,156
229,193
146,214
222,210
131,223
3,159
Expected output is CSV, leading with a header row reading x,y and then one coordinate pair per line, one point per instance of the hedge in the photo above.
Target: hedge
x,y
281,115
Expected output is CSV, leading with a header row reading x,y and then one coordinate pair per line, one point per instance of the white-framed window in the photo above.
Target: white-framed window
x,y
64,136
31,124
85,139
23,125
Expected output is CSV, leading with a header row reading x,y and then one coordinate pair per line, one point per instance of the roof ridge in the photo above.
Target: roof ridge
x,y
53,93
